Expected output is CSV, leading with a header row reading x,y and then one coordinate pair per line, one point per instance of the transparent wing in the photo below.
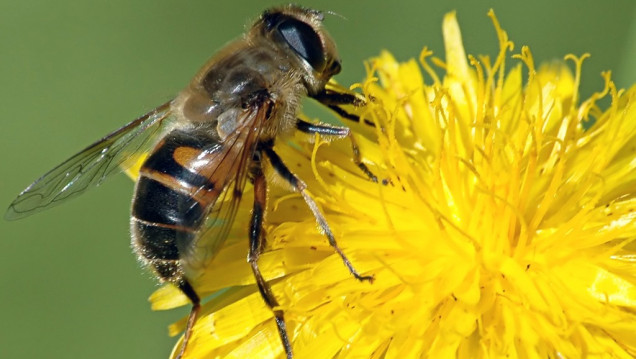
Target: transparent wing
x,y
235,160
91,166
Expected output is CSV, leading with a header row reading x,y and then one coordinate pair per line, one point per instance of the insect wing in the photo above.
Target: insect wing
x,y
90,167
231,167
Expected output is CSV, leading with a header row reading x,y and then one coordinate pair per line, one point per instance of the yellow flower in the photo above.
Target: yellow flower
x,y
507,228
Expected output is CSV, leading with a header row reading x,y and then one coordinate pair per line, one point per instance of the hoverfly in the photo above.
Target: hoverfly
x,y
204,146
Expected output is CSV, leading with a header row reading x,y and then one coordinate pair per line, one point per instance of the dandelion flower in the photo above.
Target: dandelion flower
x,y
506,228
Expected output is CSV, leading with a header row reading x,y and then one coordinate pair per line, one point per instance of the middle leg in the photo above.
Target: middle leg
x,y
280,167
339,132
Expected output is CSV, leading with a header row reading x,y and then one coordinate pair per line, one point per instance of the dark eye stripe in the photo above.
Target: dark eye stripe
x,y
304,41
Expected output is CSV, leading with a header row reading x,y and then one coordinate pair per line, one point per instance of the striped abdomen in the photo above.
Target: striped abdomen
x,y
172,199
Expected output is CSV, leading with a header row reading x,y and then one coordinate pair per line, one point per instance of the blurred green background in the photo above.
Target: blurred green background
x,y
72,71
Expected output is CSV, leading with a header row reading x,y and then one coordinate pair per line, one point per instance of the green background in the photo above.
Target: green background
x,y
72,71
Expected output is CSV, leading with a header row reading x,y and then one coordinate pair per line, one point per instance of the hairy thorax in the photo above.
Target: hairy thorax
x,y
237,79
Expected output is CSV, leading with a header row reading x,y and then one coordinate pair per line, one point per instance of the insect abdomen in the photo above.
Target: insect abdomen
x,y
166,216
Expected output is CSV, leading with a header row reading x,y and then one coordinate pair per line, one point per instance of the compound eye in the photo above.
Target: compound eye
x,y
304,40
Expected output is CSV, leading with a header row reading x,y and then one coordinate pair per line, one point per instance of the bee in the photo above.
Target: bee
x,y
205,144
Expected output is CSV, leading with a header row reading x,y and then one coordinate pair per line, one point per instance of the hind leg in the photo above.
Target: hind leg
x,y
257,243
170,271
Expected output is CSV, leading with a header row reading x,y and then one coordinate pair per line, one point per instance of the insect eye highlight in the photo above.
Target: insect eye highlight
x,y
304,41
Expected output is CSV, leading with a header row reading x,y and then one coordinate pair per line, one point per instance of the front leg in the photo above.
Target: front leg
x,y
340,132
336,99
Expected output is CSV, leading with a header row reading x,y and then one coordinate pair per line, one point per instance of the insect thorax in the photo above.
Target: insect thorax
x,y
231,81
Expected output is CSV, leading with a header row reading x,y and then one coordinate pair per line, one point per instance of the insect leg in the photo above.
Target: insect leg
x,y
337,131
187,289
330,97
256,247
170,271
300,186
334,100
